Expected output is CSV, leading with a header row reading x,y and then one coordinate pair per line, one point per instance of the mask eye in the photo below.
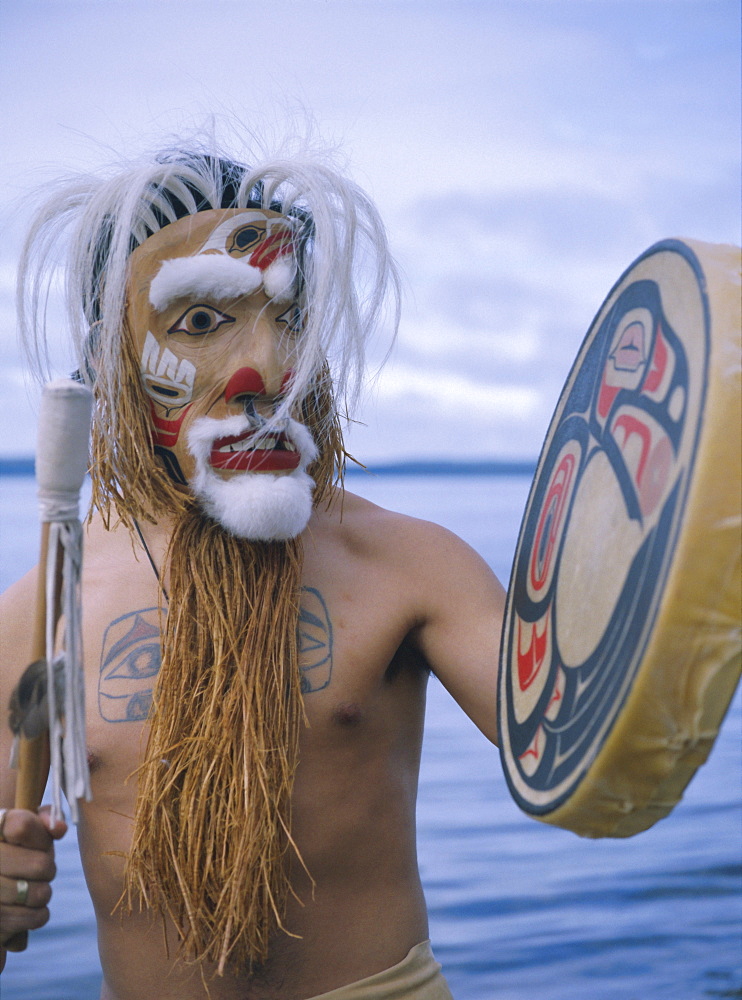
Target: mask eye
x,y
291,318
245,238
199,320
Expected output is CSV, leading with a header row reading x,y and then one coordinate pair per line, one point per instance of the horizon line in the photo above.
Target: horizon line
x,y
23,465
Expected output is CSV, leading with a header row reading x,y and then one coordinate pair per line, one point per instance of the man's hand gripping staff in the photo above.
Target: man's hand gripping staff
x,y
46,712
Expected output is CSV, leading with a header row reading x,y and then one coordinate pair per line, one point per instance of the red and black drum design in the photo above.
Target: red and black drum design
x,y
599,532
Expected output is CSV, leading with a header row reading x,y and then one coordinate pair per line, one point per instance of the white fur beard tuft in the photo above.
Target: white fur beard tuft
x,y
259,506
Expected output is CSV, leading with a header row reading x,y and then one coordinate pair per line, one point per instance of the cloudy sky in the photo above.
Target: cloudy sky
x,y
522,153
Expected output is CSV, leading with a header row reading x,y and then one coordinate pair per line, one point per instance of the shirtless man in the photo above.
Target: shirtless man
x,y
224,318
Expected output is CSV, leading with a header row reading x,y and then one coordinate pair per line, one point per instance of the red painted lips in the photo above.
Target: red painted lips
x,y
235,454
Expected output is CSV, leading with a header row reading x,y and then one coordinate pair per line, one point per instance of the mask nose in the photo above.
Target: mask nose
x,y
247,389
260,363
246,383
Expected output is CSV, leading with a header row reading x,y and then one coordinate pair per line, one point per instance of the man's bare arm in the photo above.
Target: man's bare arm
x,y
460,625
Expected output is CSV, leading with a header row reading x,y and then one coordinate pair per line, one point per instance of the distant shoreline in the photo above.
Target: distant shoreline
x,y
24,466
444,467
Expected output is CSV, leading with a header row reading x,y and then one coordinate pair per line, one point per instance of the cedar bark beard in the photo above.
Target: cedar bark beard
x,y
213,813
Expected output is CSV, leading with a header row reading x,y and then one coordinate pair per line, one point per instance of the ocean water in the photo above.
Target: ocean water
x,y
518,909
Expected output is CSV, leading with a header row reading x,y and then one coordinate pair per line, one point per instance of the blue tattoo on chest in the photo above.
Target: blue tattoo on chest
x,y
315,641
130,658
129,661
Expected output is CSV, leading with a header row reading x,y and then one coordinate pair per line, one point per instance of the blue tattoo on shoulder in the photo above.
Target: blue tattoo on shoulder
x,y
315,641
129,660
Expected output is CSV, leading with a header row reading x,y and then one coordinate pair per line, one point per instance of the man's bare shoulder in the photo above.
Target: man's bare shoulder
x,y
17,605
424,556
370,527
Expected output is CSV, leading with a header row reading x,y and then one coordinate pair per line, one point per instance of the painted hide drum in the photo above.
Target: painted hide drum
x,y
622,638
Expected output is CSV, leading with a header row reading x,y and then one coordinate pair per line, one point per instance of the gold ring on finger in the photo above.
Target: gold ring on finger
x,y
21,892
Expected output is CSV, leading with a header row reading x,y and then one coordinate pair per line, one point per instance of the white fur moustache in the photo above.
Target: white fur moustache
x,y
259,506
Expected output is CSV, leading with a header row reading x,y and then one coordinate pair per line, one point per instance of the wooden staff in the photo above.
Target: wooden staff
x,y
29,702
61,465
36,710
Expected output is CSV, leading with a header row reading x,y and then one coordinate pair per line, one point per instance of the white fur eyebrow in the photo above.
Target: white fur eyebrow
x,y
203,275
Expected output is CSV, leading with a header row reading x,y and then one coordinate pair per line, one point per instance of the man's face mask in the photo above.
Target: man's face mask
x,y
215,319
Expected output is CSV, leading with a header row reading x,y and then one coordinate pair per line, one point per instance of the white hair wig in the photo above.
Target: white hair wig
x,y
90,225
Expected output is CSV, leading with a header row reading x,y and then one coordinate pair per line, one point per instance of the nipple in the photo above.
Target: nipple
x,y
348,713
